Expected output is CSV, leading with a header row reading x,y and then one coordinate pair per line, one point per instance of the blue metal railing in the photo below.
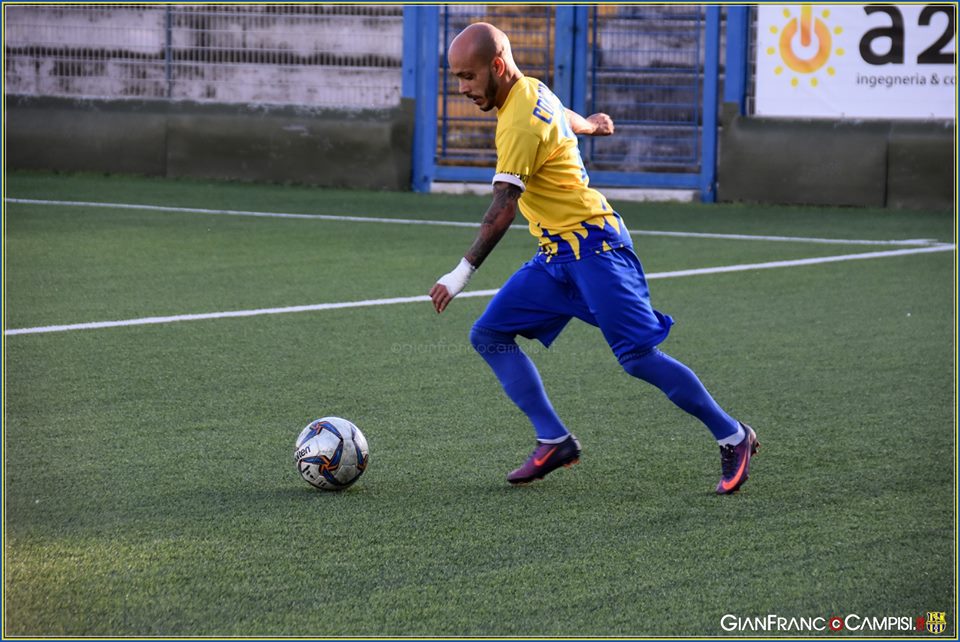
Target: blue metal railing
x,y
737,60
646,71
624,60
419,81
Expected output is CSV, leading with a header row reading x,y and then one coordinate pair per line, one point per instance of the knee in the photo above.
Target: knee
x,y
640,365
485,341
478,338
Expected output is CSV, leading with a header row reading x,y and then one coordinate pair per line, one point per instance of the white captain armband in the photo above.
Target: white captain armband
x,y
513,179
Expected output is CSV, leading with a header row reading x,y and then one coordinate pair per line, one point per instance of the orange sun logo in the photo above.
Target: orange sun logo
x,y
809,52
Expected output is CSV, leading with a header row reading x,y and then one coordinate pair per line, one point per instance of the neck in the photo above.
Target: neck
x,y
510,79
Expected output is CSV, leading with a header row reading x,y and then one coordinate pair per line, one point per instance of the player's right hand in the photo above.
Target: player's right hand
x,y
441,297
450,285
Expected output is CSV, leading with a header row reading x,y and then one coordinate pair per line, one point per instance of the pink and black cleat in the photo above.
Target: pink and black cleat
x,y
545,459
735,462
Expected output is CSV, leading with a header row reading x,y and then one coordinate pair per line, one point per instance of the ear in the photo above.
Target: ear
x,y
499,66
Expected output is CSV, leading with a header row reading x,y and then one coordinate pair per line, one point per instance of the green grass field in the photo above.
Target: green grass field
x,y
148,482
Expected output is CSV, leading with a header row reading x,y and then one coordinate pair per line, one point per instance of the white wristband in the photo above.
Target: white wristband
x,y
457,280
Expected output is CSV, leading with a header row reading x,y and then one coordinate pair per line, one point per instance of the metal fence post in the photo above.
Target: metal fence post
x,y
708,160
425,124
738,42
570,56
580,46
168,50
411,43
563,68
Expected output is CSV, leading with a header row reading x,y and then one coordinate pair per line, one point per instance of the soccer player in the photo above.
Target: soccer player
x,y
585,266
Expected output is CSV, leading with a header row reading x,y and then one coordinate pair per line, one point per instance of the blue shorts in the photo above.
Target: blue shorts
x,y
607,290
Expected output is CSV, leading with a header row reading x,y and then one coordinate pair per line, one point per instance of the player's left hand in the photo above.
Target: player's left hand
x,y
603,124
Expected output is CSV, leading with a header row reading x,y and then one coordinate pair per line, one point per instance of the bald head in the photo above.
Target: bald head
x,y
481,59
483,41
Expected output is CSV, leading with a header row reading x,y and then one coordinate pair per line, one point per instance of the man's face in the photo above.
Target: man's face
x,y
476,80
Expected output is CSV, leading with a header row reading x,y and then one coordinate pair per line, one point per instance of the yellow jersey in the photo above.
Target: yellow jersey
x,y
538,152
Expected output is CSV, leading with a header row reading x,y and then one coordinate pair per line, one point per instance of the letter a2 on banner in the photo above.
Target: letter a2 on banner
x,y
856,61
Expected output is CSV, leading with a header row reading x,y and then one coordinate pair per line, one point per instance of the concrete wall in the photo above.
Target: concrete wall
x,y
333,56
818,162
357,149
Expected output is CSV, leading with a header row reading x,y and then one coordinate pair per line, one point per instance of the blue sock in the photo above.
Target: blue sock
x,y
520,381
683,388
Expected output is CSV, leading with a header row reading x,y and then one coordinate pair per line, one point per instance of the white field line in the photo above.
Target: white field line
x,y
410,221
475,293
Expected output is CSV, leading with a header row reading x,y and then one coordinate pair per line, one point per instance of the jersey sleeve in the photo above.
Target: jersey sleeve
x,y
516,156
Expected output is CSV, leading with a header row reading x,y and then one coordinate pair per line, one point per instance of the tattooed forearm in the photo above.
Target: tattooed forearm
x,y
495,222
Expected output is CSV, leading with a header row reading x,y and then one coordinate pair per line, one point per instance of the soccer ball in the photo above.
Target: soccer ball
x,y
331,453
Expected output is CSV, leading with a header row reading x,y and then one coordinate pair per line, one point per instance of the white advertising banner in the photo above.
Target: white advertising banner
x,y
856,61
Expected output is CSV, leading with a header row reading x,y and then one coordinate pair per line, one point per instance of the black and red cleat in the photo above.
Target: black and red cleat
x,y
735,462
545,459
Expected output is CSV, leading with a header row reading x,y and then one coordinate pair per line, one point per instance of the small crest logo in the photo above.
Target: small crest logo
x,y
805,43
936,622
